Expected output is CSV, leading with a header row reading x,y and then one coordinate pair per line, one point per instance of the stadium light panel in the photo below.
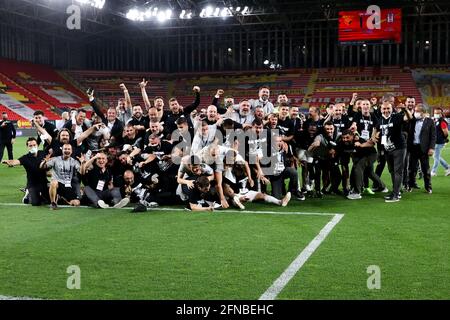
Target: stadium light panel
x,y
209,11
135,15
142,14
225,12
99,4
161,16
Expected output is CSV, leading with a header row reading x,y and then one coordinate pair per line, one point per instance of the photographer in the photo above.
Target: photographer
x,y
100,137
7,136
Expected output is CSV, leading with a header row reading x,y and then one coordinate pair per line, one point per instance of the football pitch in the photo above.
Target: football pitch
x,y
314,249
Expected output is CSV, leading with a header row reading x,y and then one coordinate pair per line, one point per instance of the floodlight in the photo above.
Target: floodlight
x,y
209,11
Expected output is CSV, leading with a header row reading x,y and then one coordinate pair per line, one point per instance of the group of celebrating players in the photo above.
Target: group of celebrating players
x,y
229,153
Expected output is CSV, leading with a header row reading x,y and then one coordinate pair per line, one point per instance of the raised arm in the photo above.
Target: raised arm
x,y
87,165
95,106
408,115
195,104
216,102
127,97
147,103
87,133
43,133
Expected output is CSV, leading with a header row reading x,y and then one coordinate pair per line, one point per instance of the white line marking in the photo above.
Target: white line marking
x,y
179,209
17,298
295,266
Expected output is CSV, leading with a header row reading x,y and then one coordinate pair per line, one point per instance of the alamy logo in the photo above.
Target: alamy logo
x,y
374,20
374,280
74,280
73,22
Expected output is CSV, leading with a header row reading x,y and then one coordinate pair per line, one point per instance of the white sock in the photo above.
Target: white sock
x,y
270,199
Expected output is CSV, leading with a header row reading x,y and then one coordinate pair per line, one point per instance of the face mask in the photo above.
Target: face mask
x,y
33,150
417,115
436,116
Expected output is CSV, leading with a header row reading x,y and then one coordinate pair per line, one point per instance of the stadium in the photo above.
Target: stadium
x,y
224,150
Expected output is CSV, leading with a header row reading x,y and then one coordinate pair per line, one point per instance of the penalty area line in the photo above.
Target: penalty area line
x,y
280,283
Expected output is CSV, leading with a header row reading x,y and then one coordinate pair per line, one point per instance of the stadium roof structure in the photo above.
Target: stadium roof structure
x,y
49,16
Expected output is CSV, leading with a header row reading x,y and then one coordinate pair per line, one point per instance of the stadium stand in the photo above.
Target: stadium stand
x,y
43,83
40,87
106,84
11,114
15,97
337,85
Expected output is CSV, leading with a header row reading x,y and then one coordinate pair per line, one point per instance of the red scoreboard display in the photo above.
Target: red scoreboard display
x,y
358,26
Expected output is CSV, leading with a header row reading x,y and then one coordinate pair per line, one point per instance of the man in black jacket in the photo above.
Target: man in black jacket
x,y
176,112
421,142
393,144
111,121
36,178
7,136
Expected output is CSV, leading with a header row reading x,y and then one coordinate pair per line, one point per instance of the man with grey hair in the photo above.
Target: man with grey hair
x,y
244,115
393,145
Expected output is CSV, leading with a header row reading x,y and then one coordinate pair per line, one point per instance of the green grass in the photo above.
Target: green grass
x,y
175,255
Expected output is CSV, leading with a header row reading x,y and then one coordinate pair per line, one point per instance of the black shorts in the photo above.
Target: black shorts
x,y
67,193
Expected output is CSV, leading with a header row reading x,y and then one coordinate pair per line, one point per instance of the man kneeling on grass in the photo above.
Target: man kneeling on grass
x,y
64,168
99,188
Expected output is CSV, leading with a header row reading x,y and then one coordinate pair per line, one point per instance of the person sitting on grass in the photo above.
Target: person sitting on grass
x,y
64,169
236,175
99,188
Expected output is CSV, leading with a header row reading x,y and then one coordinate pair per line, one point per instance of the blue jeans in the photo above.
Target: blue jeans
x,y
438,159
